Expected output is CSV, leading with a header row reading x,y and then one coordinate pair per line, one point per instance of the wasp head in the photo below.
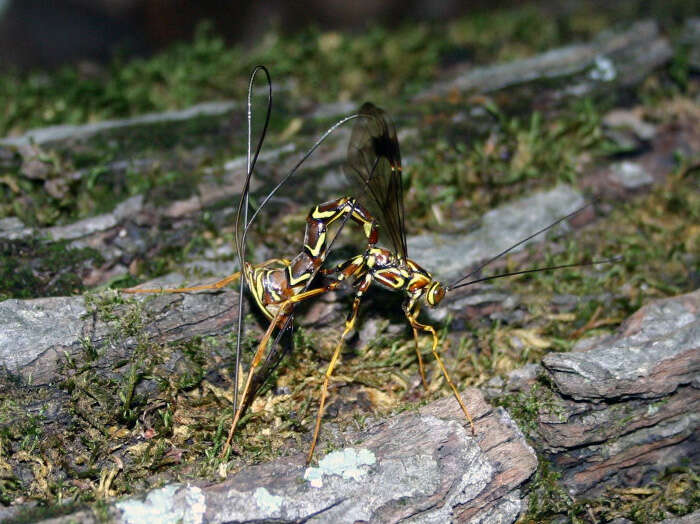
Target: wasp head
x,y
436,292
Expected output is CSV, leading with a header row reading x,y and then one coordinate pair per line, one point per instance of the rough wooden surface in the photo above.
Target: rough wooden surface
x,y
630,404
628,421
624,408
613,414
419,466
615,59
38,333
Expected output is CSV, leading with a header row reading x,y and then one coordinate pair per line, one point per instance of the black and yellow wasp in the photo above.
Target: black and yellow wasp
x,y
375,205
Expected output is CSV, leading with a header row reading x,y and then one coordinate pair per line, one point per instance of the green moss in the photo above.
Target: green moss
x,y
526,407
35,268
42,512
379,64
518,156
547,496
673,493
95,188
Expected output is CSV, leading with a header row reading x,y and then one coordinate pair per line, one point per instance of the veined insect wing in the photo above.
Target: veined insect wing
x,y
374,169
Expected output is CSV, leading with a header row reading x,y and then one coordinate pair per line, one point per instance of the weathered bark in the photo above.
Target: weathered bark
x,y
629,405
39,333
613,59
421,466
623,408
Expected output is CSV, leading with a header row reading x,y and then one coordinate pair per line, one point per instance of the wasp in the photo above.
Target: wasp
x,y
375,205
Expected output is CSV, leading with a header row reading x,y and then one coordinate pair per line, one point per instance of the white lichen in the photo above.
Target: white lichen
x,y
196,505
266,501
631,175
603,69
347,463
171,504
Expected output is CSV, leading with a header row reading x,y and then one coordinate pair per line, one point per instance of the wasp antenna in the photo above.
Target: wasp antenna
x,y
252,158
457,283
296,167
550,268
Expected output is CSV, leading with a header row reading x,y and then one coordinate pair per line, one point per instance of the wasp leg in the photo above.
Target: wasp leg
x,y
412,305
215,285
277,322
349,324
411,316
421,369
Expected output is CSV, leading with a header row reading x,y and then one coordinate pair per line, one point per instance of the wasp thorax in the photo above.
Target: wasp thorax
x,y
436,292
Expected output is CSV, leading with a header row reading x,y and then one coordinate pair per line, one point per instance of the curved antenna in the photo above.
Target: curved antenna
x,y
303,159
250,162
243,207
549,268
456,284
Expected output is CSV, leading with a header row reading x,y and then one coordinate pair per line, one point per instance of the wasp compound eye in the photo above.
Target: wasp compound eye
x,y
436,293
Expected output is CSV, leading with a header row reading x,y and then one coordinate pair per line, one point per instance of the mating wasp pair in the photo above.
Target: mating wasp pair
x,y
374,203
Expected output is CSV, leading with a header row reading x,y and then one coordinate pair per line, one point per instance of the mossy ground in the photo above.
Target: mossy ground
x,y
32,268
161,414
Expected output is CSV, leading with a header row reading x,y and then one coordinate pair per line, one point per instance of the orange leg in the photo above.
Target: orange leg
x,y
417,325
278,321
215,285
414,307
421,369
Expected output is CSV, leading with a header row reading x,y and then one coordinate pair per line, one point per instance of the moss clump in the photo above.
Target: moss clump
x,y
379,64
547,497
518,155
35,268
526,407
673,493
70,185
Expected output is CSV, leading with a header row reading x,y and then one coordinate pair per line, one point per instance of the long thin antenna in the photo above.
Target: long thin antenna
x,y
593,263
455,285
303,159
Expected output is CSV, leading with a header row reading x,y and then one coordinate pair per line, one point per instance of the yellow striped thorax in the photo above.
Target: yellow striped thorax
x,y
390,272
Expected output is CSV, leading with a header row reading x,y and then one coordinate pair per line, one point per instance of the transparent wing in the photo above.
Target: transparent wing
x,y
374,169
